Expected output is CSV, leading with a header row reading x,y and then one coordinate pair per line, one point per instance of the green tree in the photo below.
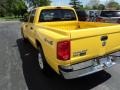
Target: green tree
x,y
36,3
94,7
113,5
93,3
12,7
87,7
76,4
10,4
3,9
18,7
101,7
21,8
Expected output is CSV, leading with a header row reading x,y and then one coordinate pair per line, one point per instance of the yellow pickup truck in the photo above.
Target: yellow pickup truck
x,y
70,47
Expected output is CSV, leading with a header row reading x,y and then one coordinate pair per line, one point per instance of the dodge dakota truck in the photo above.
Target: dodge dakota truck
x,y
71,48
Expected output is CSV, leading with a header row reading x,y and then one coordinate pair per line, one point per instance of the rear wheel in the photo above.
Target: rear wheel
x,y
40,60
44,66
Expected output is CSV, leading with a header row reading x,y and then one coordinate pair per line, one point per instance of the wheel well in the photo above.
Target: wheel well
x,y
38,44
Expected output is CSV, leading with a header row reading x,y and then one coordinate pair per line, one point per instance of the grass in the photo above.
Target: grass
x,y
8,18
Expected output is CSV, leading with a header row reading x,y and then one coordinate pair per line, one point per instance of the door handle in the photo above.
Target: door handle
x,y
103,38
31,28
26,26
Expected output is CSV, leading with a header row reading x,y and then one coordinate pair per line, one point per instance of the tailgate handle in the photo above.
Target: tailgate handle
x,y
103,38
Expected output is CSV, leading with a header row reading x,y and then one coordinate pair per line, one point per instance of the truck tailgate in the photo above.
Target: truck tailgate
x,y
94,42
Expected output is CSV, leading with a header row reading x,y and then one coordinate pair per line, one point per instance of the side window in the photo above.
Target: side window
x,y
32,16
47,16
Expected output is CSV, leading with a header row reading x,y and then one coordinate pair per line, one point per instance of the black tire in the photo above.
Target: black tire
x,y
42,61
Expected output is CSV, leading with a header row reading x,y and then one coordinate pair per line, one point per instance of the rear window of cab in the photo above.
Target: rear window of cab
x,y
49,15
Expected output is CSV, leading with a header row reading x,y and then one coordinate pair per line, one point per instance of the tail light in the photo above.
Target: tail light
x,y
63,50
100,19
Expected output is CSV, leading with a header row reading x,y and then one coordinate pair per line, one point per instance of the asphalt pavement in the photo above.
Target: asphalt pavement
x,y
19,68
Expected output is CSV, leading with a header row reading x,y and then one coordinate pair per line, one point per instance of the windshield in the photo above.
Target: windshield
x,y
49,15
110,14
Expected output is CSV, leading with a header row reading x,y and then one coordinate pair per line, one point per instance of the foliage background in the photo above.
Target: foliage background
x,y
17,8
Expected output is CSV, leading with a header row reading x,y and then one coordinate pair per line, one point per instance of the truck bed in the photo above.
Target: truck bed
x,y
87,36
74,25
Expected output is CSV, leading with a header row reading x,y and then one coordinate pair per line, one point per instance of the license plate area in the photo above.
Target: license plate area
x,y
82,65
106,61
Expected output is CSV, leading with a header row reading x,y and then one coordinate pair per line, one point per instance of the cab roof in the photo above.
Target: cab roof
x,y
55,7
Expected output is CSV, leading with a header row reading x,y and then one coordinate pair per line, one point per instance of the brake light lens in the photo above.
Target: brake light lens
x,y
63,50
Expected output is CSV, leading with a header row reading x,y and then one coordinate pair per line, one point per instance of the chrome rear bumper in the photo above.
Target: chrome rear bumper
x,y
85,68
